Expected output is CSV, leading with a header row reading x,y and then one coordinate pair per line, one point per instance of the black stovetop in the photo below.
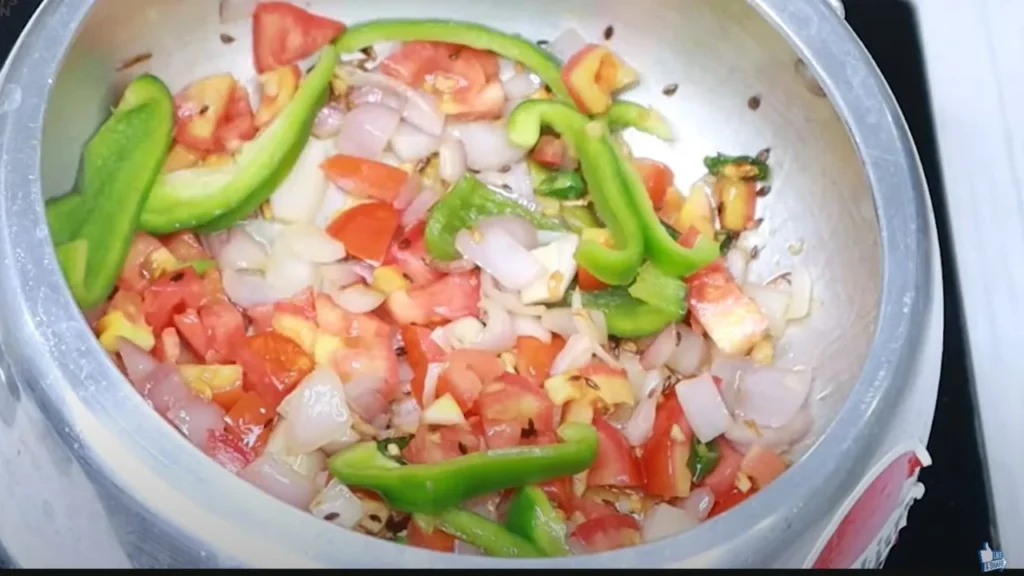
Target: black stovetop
x,y
949,525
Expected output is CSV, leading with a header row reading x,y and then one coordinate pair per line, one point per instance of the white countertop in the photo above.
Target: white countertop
x,y
973,51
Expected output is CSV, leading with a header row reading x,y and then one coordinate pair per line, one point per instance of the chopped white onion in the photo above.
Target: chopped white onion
x,y
586,327
280,481
335,201
530,326
736,261
247,289
408,192
264,231
462,333
699,503
405,415
338,444
451,158
137,363
652,382
486,145
499,334
567,43
434,370
420,205
338,505
658,353
771,396
358,298
518,228
316,410
578,350
559,321
516,179
334,277
497,252
689,354
664,520
301,193
309,464
522,85
640,426
511,302
372,95
412,144
241,251
703,406
773,303
327,123
313,244
800,296
728,370
196,418
288,273
367,130
745,435
165,388
634,371
420,109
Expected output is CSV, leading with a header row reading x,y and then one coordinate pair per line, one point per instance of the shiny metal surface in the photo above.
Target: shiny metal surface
x,y
126,489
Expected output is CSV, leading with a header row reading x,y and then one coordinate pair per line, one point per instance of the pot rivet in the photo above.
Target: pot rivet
x,y
10,99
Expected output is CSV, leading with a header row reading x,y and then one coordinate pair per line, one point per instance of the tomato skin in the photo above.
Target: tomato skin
x,y
239,125
549,152
450,298
657,177
588,282
365,177
366,230
137,271
227,451
247,419
669,413
722,478
510,407
615,464
185,246
410,254
444,443
272,365
284,34
465,78
729,500
591,508
731,318
420,351
608,532
534,358
664,462
437,539
465,376
200,108
226,329
172,294
593,74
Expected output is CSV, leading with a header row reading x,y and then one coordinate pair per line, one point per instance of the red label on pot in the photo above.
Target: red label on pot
x,y
866,526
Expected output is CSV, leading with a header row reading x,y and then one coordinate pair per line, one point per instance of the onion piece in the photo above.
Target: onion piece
x,y
746,435
518,228
327,123
516,179
651,383
586,327
500,255
800,295
522,85
420,205
634,371
578,350
196,418
165,388
451,158
412,144
368,396
367,130
241,252
511,302
138,363
405,415
658,353
773,303
640,426
434,370
373,95
703,406
313,244
689,354
302,191
280,481
287,273
334,277
421,109
358,298
567,43
316,412
699,503
335,202
486,145
499,334
338,505
737,261
408,192
559,321
264,231
664,520
530,326
461,333
309,464
247,289
771,396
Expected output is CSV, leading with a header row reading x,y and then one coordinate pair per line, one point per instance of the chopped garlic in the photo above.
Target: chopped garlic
x,y
558,259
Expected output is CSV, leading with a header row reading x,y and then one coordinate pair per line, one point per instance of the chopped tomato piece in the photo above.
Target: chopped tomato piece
x,y
284,34
534,358
728,500
722,478
353,329
239,124
172,294
278,88
364,177
372,359
466,374
452,297
248,417
181,157
139,266
608,532
261,318
444,443
668,414
615,464
593,75
168,346
658,178
559,491
185,246
302,305
732,319
272,366
226,329
366,230
199,110
435,539
591,508
584,279
550,152
420,351
466,79
693,211
762,465
410,254
664,462
513,409
227,451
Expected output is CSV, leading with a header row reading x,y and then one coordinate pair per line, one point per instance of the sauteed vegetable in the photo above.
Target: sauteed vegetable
x,y
413,280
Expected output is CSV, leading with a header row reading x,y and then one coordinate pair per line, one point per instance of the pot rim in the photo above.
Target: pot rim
x,y
191,500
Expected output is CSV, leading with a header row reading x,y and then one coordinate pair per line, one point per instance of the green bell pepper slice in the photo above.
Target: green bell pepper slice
x,y
560,184
531,515
478,36
616,265
741,167
703,459
433,488
659,289
211,199
626,316
467,202
491,538
118,170
624,114
579,218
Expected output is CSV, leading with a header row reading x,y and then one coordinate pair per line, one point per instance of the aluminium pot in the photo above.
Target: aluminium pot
x,y
90,476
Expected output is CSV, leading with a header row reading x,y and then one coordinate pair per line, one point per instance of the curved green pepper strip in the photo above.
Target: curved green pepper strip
x,y
434,488
656,288
491,538
478,36
531,515
624,114
617,265
626,316
468,201
212,199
